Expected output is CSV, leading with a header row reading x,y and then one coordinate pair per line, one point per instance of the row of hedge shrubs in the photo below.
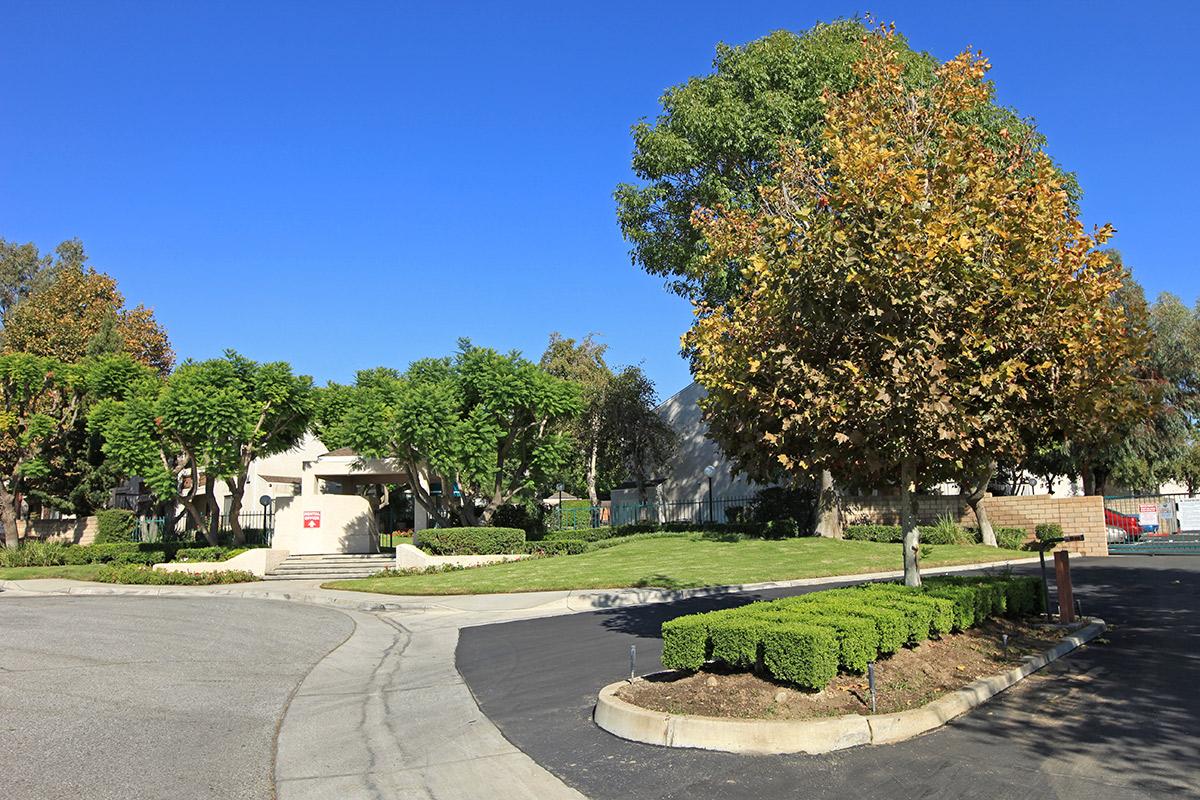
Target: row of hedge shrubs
x,y
806,639
140,574
55,554
1008,538
471,541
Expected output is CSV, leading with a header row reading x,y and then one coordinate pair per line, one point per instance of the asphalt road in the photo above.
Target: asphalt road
x,y
1118,719
144,697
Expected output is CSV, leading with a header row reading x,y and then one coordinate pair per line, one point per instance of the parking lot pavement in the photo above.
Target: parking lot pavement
x,y
1115,720
150,697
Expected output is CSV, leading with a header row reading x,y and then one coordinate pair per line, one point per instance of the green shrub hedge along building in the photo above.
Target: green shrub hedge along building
x,y
806,639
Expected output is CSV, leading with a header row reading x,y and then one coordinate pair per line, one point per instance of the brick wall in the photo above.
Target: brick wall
x,y
68,531
1077,515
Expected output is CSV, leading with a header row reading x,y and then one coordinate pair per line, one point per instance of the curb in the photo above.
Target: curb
x,y
823,735
311,598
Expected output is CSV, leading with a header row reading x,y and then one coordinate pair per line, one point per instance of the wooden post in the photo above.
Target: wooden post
x,y
1062,581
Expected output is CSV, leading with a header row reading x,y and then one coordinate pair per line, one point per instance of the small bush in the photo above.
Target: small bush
x,y
735,639
35,553
133,573
583,534
530,520
194,554
802,654
471,541
1011,538
114,525
890,534
946,531
685,642
1048,532
781,529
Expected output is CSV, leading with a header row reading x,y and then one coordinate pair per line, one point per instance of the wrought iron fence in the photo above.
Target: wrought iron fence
x,y
1168,522
700,512
258,527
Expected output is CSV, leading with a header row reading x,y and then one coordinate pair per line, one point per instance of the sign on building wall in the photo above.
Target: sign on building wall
x,y
312,519
1189,514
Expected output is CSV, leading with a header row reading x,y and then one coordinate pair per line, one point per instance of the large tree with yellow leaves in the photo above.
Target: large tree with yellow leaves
x,y
915,299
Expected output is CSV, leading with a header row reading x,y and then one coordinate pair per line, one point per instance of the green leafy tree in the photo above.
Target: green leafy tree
x,y
716,145
68,311
206,422
913,297
40,401
481,426
23,270
637,439
583,363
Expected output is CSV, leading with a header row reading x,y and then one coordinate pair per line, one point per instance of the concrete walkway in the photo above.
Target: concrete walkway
x,y
387,714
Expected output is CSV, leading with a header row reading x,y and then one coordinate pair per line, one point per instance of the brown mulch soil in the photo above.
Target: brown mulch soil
x,y
910,678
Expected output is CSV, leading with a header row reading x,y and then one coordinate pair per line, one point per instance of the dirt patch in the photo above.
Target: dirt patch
x,y
910,678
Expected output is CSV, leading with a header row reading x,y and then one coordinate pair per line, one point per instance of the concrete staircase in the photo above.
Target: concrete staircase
x,y
332,567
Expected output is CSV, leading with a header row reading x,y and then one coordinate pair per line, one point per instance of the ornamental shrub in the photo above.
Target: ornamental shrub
x,y
802,654
133,573
583,534
781,529
34,553
946,531
850,627
1011,538
1048,532
114,525
735,639
685,642
874,533
471,541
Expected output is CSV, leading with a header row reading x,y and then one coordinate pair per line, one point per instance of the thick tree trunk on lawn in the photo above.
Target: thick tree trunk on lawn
x,y
975,493
213,531
236,489
829,507
9,516
908,523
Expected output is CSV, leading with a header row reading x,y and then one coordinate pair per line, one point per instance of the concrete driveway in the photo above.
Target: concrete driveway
x,y
1118,720
150,697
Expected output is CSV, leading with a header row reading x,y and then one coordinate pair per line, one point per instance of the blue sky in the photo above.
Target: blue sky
x,y
344,185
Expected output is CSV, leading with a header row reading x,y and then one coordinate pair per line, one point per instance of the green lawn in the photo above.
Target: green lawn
x,y
677,562
79,572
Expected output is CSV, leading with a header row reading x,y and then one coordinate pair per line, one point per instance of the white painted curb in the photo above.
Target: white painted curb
x,y
823,735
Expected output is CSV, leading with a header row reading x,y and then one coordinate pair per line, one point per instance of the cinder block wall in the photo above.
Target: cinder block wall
x,y
1077,515
69,531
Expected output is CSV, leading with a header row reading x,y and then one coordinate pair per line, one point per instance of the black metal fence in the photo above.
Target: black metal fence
x,y
579,516
257,526
1146,524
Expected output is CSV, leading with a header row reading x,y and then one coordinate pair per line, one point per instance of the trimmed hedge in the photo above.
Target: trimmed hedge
x,y
1007,538
471,541
133,573
805,639
582,534
114,525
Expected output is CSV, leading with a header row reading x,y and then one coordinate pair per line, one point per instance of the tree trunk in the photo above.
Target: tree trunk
x,y
976,491
9,517
236,489
829,508
213,534
908,523
590,476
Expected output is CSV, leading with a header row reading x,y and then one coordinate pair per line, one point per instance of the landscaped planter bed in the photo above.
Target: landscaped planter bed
x,y
909,678
789,675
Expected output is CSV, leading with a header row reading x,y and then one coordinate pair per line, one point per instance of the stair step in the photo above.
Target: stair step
x,y
331,566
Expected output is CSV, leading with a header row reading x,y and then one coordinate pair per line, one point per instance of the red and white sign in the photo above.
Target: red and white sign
x,y
312,519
